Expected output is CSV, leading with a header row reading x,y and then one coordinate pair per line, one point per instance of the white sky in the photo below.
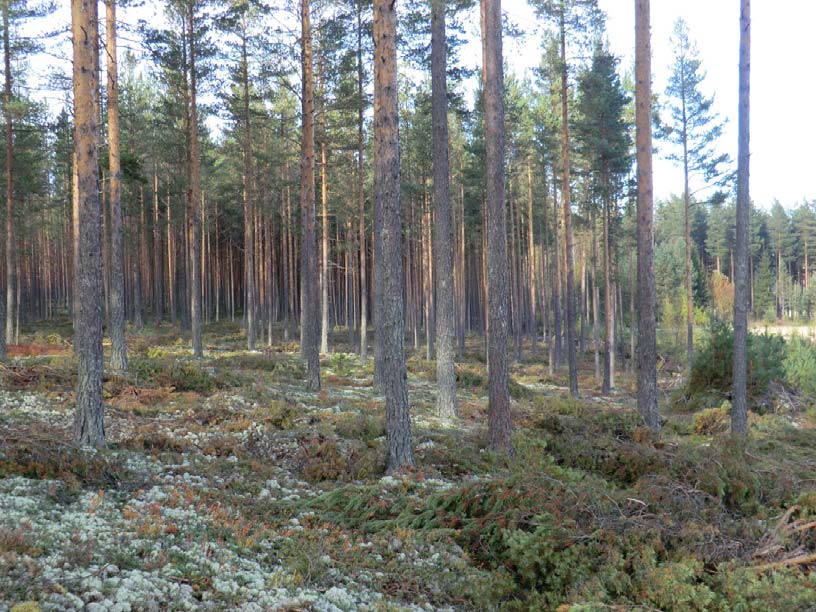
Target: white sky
x,y
783,90
783,131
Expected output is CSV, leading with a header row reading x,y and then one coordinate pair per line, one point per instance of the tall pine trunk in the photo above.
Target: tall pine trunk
x,y
7,309
388,226
193,217
309,299
647,349
499,422
531,260
609,305
687,232
324,269
555,344
446,404
117,264
595,297
739,412
158,267
249,233
360,193
88,419
572,358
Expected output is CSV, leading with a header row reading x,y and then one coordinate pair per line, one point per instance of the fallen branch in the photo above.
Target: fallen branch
x,y
806,526
800,560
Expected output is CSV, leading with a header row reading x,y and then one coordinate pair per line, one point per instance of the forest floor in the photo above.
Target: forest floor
x,y
226,486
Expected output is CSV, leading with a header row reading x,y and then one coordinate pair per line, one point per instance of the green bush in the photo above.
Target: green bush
x,y
548,559
145,369
713,362
746,590
800,365
469,378
343,364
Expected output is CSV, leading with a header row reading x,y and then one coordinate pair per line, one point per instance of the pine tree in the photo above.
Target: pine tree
x,y
572,19
499,423
88,420
194,188
14,12
604,142
779,228
7,292
804,223
764,287
390,312
647,348
119,359
309,320
720,237
695,129
739,410
446,404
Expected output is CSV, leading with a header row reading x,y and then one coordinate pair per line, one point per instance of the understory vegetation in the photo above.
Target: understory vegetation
x,y
225,486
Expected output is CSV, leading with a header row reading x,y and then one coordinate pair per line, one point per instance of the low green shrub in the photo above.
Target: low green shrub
x,y
343,364
187,377
180,375
800,364
469,378
713,362
282,414
249,361
548,558
364,427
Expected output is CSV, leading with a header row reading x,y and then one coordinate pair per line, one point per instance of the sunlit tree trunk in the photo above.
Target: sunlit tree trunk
x,y
7,295
324,270
194,219
388,226
499,424
158,266
647,350
595,319
309,300
360,193
249,233
531,260
609,303
739,412
117,270
687,219
572,359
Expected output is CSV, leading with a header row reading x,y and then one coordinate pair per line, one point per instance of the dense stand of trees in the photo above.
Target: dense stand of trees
x,y
516,218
